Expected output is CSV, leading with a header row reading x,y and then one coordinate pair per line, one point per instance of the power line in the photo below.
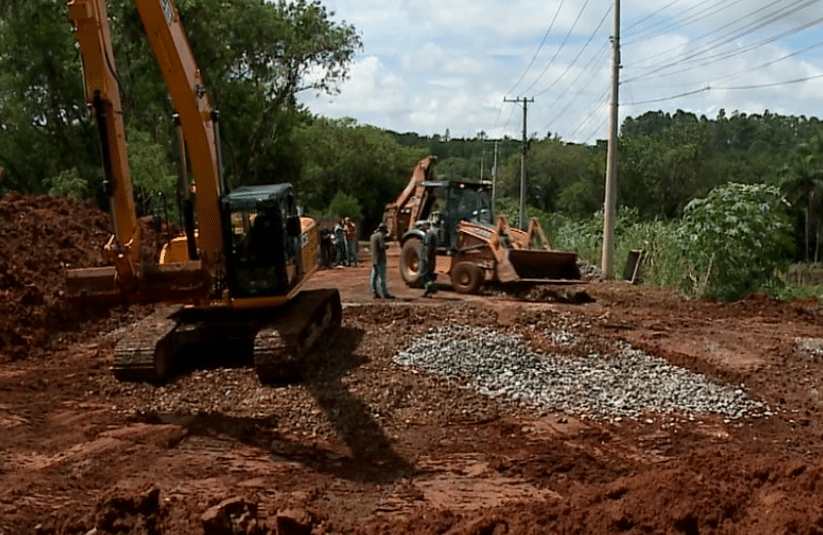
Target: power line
x,y
677,24
724,55
691,57
593,72
545,36
571,29
571,64
727,88
647,17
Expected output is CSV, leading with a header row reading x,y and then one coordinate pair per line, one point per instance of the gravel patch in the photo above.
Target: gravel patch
x,y
626,384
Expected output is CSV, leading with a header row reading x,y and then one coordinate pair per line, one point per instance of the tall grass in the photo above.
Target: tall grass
x,y
670,259
662,259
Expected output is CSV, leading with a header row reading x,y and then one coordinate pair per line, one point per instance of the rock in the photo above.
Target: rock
x,y
294,522
233,516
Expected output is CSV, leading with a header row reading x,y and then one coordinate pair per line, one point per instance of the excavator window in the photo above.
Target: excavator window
x,y
259,252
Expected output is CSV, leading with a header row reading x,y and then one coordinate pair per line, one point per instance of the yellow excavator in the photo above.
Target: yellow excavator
x,y
235,278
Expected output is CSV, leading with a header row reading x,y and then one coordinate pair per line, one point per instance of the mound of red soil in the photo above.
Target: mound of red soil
x,y
40,237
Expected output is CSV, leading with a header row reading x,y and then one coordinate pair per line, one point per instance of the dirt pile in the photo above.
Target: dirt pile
x,y
40,237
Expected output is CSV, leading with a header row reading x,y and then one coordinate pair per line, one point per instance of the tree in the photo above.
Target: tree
x,y
44,128
255,57
802,182
341,156
344,205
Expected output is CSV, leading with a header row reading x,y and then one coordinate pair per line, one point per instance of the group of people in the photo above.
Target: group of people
x,y
338,246
378,248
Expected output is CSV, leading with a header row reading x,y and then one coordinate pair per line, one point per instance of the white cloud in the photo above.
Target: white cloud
x,y
429,65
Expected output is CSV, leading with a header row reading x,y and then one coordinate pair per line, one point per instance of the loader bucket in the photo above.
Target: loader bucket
x,y
531,265
168,283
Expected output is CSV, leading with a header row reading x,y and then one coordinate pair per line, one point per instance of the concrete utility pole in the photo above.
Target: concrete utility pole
x,y
482,136
610,203
523,148
494,179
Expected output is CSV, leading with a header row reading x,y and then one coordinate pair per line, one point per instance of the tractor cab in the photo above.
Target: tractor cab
x,y
447,203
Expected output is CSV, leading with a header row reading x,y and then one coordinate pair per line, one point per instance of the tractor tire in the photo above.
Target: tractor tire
x,y
410,262
467,278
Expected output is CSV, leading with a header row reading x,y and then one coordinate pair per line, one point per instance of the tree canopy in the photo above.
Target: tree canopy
x,y
255,57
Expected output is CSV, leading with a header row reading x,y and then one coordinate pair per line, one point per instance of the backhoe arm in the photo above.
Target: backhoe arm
x,y
400,215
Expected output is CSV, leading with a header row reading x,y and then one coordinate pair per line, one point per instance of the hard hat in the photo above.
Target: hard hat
x,y
382,226
422,224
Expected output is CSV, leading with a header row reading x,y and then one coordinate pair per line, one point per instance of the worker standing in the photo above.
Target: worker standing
x,y
427,258
326,248
378,247
350,230
340,244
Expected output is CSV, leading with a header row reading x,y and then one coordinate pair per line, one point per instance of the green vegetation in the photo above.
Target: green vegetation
x,y
721,206
735,241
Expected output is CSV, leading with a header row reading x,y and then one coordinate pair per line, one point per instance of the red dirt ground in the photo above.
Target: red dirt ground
x,y
366,446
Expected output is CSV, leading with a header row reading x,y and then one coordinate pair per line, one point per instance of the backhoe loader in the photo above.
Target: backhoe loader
x,y
235,276
474,248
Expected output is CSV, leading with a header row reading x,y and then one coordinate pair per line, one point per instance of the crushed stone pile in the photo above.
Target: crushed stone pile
x,y
626,384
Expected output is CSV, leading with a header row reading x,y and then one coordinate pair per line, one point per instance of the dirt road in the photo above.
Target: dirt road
x,y
368,446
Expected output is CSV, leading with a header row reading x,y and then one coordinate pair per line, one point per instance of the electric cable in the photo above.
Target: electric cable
x,y
557,52
689,57
545,36
571,64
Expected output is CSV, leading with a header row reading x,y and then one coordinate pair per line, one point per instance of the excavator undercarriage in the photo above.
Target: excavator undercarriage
x,y
278,340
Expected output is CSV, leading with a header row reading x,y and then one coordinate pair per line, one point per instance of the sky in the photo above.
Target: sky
x,y
430,66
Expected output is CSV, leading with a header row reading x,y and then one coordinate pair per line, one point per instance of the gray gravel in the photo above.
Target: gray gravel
x,y
625,384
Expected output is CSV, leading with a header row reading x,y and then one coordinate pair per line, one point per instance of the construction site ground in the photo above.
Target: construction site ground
x,y
367,446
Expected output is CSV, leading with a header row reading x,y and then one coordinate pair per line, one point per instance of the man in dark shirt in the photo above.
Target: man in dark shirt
x,y
378,262
427,258
340,244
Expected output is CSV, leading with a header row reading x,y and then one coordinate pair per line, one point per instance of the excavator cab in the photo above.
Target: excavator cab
x,y
263,233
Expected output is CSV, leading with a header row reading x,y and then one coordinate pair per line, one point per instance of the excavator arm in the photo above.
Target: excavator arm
x,y
183,80
198,119
92,27
187,278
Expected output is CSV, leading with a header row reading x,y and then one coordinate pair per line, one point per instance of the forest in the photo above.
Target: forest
x,y
673,168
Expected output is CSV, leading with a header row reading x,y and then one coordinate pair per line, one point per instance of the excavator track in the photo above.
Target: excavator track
x,y
281,338
282,345
145,353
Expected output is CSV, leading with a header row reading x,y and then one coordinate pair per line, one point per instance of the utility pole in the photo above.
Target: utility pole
x,y
610,203
523,149
494,179
482,136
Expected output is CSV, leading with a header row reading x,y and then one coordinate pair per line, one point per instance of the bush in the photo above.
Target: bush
x,y
68,183
735,240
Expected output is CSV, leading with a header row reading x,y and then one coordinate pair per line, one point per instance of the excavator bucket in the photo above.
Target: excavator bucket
x,y
539,266
103,286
